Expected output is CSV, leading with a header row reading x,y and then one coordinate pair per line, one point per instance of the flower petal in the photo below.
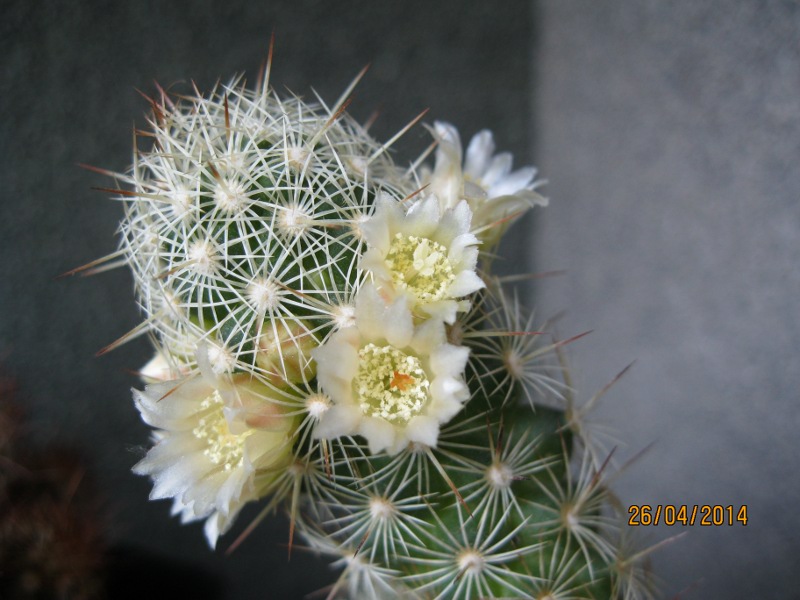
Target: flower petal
x,y
480,150
466,283
499,167
423,430
514,182
340,419
379,434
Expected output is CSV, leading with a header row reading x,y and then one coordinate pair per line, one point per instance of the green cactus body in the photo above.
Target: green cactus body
x,y
274,245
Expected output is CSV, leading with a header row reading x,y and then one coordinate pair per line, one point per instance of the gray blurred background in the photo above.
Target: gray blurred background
x,y
669,133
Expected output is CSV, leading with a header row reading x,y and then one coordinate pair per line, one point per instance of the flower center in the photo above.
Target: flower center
x,y
222,447
390,384
420,265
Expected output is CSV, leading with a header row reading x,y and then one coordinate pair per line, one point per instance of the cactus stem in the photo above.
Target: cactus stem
x,y
318,320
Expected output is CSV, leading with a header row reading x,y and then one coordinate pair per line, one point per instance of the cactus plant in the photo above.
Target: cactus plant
x,y
330,340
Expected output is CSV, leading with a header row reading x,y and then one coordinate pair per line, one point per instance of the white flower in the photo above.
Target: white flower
x,y
426,254
494,192
218,445
390,382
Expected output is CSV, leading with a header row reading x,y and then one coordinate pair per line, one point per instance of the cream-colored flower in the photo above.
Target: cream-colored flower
x,y
390,382
495,193
219,443
426,254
